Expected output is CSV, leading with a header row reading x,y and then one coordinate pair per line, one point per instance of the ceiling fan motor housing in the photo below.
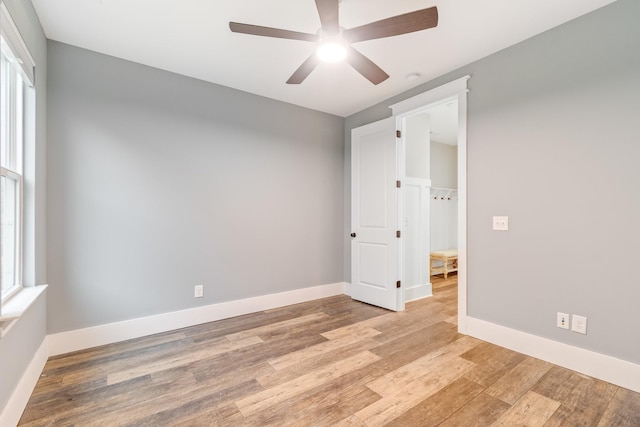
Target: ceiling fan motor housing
x,y
335,42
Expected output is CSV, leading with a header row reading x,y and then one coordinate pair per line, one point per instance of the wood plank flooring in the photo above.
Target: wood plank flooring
x,y
331,362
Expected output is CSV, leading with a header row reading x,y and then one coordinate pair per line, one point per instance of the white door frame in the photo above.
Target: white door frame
x,y
456,89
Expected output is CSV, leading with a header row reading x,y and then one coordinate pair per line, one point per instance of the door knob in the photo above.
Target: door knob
x,y
353,234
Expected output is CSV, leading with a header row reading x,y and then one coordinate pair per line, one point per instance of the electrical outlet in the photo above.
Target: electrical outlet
x,y
199,291
501,223
579,324
562,321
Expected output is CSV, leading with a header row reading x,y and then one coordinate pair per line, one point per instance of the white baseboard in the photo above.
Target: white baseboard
x,y
10,415
79,339
418,292
607,368
410,294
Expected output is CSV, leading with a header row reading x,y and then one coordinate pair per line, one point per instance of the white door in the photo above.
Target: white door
x,y
374,215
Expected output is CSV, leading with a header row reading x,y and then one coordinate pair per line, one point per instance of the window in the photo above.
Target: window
x,y
16,75
11,171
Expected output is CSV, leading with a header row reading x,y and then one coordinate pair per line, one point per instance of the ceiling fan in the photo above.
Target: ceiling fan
x,y
333,39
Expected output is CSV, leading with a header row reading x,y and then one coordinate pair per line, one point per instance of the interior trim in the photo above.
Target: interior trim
x,y
439,93
12,412
80,339
607,368
417,292
414,105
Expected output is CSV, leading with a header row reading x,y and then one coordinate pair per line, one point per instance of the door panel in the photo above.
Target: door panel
x,y
371,178
373,264
374,216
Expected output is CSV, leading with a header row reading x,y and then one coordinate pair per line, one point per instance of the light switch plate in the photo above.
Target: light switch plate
x,y
501,223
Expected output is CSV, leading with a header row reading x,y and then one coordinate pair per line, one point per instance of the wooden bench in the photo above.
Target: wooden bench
x,y
449,259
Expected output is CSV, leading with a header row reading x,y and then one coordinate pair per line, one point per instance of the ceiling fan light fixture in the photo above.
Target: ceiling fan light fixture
x,y
331,51
334,41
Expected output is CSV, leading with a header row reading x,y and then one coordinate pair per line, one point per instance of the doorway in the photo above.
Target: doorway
x,y
430,195
453,94
378,152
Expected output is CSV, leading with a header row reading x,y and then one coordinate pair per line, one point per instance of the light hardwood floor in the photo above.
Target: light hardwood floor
x,y
332,362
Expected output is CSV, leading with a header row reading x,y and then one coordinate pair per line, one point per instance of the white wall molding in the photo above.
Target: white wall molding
x,y
431,96
454,89
10,415
12,37
17,305
65,342
607,368
418,292
79,339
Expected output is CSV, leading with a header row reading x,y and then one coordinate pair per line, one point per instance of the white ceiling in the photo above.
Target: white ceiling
x,y
443,122
192,37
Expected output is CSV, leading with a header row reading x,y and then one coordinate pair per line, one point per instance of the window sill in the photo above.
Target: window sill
x,y
17,305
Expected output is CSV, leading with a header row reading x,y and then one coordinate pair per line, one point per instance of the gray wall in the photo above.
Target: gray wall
x,y
553,143
18,347
159,182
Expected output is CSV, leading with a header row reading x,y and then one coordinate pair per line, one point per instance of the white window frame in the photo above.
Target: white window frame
x,y
16,73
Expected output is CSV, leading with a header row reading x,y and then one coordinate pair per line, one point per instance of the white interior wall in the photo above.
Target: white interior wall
x,y
416,204
443,206
443,163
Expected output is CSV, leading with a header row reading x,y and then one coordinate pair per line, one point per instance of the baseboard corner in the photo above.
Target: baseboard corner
x,y
597,365
12,412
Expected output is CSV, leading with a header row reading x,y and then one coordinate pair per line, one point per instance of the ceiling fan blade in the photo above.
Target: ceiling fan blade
x,y
394,26
366,67
304,70
328,11
257,30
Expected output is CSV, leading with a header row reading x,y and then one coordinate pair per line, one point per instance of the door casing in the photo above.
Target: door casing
x,y
456,89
